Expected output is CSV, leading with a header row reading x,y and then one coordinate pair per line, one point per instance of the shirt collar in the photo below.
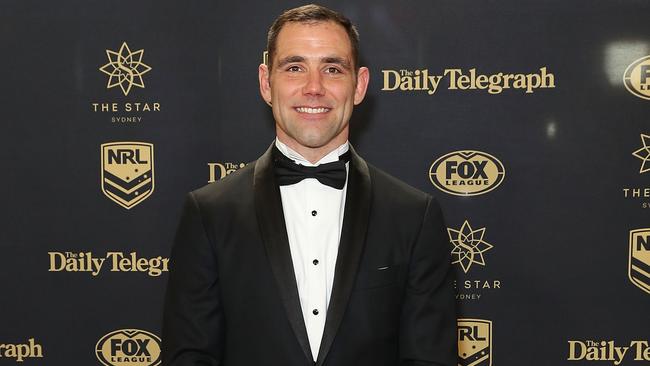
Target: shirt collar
x,y
299,159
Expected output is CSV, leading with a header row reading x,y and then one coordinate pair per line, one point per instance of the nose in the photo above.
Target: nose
x,y
314,83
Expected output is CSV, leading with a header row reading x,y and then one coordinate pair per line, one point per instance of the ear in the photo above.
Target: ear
x,y
363,77
265,84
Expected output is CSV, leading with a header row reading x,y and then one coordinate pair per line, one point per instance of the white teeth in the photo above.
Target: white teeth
x,y
312,110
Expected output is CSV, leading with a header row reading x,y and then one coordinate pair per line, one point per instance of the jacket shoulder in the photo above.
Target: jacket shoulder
x,y
232,186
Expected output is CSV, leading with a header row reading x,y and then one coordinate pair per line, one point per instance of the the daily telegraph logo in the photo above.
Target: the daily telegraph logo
x,y
637,77
466,173
125,70
474,342
469,245
20,352
113,261
129,347
219,171
424,81
127,176
589,350
638,269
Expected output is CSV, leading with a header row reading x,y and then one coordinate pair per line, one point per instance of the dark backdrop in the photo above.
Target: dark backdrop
x,y
557,226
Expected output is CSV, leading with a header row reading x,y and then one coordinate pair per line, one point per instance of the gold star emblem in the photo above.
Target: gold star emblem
x,y
125,68
644,153
469,246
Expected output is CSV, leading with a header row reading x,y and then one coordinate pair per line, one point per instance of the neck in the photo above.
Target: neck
x,y
313,154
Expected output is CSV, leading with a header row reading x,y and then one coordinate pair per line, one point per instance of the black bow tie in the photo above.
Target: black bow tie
x,y
331,174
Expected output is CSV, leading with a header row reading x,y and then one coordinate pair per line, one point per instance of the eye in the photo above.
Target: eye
x,y
293,68
332,70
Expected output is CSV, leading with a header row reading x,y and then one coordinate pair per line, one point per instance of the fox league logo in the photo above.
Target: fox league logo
x,y
129,347
474,342
467,173
639,261
637,78
127,172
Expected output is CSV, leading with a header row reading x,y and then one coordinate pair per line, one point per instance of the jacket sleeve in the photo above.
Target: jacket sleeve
x,y
428,319
193,322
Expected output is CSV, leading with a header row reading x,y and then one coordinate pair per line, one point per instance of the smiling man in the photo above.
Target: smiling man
x,y
312,81
310,255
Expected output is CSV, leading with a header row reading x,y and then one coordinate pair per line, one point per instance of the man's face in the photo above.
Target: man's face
x,y
313,86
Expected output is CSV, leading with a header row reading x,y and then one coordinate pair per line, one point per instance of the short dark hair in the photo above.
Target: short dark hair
x,y
310,14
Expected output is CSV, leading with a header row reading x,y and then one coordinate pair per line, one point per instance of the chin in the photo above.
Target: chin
x,y
313,144
314,140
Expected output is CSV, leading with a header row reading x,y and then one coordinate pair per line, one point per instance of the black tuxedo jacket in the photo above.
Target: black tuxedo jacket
x,y
232,298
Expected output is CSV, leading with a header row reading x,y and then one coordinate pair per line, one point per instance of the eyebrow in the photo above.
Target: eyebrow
x,y
290,59
338,61
327,60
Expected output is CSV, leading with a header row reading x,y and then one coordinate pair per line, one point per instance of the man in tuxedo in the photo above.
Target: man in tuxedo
x,y
310,255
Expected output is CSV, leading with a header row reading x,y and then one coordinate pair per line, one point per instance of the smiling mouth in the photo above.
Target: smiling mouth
x,y
312,110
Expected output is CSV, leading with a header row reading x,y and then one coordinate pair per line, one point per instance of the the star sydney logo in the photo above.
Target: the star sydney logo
x,y
469,246
125,68
644,154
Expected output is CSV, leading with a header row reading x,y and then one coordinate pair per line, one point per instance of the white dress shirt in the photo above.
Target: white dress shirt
x,y
313,214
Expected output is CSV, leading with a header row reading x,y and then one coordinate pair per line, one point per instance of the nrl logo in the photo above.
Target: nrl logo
x,y
474,342
639,263
127,172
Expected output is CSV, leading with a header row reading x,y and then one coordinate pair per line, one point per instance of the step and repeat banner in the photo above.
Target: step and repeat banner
x,y
528,120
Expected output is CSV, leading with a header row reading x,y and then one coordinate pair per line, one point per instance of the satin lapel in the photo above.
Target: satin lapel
x,y
268,206
353,237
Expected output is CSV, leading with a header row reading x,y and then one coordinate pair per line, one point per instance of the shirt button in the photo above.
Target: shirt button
x,y
315,312
314,213
315,261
